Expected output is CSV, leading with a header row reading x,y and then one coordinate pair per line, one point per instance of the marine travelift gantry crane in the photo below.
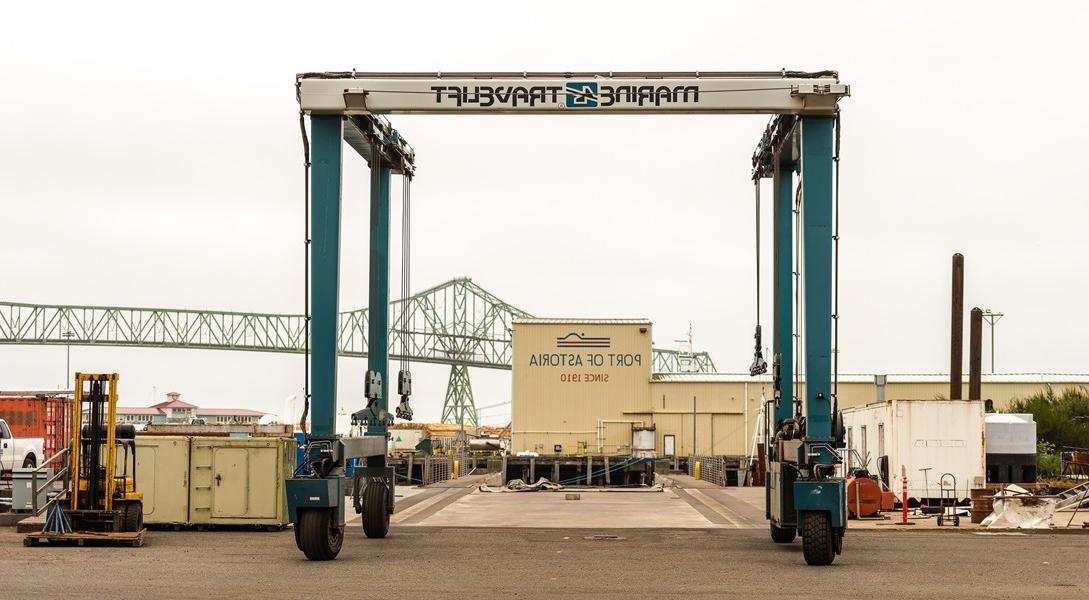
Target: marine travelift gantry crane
x,y
803,489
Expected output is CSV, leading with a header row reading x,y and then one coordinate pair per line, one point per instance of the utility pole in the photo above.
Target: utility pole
x,y
992,318
67,335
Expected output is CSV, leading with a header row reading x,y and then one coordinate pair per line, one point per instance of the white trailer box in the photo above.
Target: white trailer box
x,y
405,440
944,436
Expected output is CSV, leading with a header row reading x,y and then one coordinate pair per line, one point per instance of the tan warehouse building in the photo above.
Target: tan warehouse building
x,y
584,385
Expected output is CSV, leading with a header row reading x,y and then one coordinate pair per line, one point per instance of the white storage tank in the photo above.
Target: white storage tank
x,y
642,442
927,437
1011,448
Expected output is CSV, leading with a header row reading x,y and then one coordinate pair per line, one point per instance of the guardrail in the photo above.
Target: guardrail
x,y
712,468
61,473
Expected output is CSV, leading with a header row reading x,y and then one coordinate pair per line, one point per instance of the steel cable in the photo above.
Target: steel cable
x,y
306,262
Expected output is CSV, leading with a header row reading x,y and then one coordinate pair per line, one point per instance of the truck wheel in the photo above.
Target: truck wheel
x,y
321,538
818,544
783,535
375,515
30,462
298,537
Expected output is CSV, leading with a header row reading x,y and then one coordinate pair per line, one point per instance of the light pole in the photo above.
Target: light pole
x,y
67,335
992,318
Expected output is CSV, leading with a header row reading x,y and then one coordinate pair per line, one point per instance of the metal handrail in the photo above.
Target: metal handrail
x,y
61,473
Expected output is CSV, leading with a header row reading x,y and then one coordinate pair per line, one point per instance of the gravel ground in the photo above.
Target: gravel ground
x,y
425,562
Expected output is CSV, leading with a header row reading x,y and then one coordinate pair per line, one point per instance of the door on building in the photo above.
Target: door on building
x,y
670,442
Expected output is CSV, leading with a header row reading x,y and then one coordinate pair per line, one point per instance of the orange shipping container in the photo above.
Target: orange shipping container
x,y
38,415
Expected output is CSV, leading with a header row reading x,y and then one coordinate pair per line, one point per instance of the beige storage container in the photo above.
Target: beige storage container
x,y
162,474
239,481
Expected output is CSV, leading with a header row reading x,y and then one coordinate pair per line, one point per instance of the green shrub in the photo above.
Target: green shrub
x,y
1047,460
1062,420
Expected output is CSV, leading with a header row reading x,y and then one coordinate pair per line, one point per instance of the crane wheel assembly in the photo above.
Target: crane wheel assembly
x,y
317,534
819,540
375,511
783,535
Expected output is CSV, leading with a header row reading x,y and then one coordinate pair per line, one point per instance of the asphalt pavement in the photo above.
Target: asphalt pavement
x,y
437,562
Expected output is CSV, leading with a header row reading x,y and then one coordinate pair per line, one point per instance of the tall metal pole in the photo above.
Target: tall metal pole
x,y
975,355
992,318
67,335
956,335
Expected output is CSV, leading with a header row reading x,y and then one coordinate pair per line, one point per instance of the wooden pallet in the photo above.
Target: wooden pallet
x,y
80,538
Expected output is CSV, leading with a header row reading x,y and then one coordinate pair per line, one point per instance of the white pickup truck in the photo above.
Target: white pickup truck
x,y
18,452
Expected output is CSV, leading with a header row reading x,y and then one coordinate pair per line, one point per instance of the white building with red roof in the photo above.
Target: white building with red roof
x,y
175,410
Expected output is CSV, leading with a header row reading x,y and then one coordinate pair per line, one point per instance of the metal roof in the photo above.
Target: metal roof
x,y
548,321
868,378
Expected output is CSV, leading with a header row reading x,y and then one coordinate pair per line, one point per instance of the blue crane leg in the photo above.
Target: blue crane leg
x,y
783,182
325,152
816,167
378,326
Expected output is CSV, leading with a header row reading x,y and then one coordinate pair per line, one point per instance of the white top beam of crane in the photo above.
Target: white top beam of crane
x,y
774,92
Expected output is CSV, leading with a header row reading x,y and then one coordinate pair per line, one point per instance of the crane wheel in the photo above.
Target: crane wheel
x,y
375,513
818,538
783,535
318,534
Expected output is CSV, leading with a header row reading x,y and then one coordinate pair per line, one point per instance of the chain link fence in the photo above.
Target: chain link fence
x,y
712,468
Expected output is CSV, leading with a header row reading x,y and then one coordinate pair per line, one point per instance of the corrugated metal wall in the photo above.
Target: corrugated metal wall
x,y
557,402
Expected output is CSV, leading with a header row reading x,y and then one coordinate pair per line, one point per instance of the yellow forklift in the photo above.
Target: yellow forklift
x,y
96,500
101,502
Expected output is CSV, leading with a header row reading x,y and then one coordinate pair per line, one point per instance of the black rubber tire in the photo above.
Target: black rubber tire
x,y
818,544
320,538
375,513
298,536
132,516
783,535
30,462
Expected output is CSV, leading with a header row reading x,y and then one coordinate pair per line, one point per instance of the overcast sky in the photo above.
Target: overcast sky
x,y
150,156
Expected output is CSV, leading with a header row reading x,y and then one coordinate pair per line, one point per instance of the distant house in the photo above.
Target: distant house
x,y
174,410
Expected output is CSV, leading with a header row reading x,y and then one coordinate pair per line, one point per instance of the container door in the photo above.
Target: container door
x,y
230,488
162,475
265,475
245,480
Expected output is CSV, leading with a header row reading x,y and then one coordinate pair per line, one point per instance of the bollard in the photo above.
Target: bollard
x,y
457,469
696,470
904,497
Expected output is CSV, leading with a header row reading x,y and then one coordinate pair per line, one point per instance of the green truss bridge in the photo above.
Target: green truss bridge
x,y
457,323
